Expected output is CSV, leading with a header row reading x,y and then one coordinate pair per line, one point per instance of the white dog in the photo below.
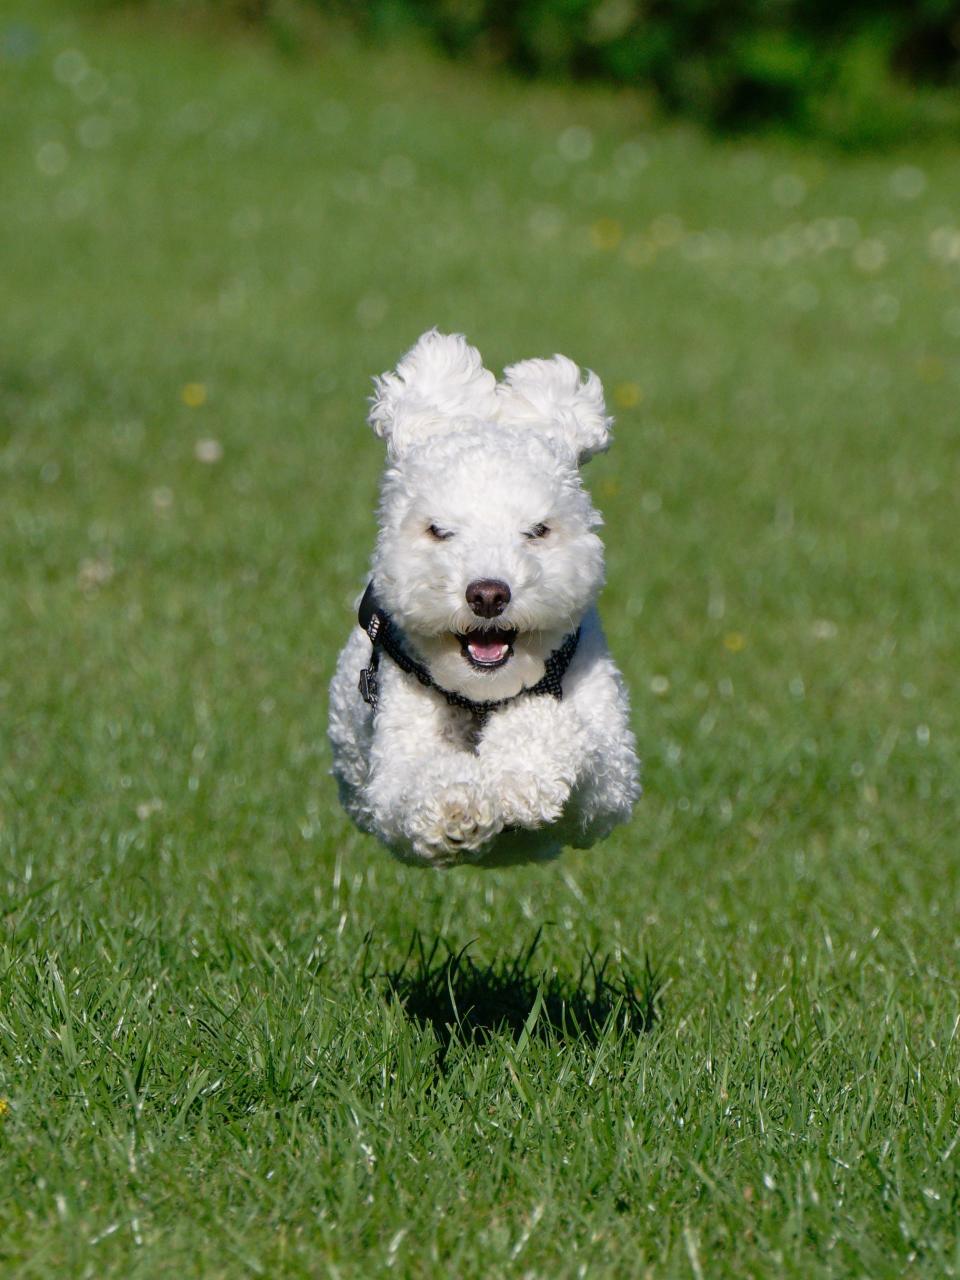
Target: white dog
x,y
476,714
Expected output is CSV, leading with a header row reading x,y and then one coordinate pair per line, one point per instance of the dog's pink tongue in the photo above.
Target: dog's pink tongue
x,y
487,651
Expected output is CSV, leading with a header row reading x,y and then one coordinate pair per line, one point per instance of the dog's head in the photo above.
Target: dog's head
x,y
487,555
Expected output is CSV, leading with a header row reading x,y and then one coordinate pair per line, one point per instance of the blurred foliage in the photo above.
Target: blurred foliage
x,y
849,71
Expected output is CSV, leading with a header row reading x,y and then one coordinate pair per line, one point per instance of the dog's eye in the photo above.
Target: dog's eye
x,y
441,535
538,531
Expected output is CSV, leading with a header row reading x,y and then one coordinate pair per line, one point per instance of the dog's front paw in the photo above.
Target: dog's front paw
x,y
455,825
528,800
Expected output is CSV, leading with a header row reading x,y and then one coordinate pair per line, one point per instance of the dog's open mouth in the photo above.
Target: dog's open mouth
x,y
488,648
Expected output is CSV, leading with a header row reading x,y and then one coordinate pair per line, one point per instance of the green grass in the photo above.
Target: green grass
x,y
733,1050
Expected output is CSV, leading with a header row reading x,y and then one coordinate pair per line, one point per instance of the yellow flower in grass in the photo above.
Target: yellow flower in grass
x,y
627,395
193,395
735,641
606,233
4,1108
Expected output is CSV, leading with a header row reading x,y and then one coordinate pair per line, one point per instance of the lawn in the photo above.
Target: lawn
x,y
235,1036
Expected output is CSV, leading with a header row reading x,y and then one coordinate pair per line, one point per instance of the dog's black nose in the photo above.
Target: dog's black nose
x,y
488,597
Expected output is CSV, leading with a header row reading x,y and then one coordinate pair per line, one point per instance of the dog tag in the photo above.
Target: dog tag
x,y
369,686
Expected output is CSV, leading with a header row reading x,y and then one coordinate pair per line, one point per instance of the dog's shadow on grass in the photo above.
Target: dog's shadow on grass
x,y
468,1002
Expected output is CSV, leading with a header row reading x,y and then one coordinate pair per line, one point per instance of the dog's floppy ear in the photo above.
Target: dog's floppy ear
x,y
440,378
551,395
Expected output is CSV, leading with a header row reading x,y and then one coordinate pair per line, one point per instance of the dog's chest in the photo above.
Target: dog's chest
x,y
461,730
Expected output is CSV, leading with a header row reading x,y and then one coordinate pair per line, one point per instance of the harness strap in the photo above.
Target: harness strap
x,y
385,636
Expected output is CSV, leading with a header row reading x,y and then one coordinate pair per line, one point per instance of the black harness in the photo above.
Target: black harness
x,y
385,637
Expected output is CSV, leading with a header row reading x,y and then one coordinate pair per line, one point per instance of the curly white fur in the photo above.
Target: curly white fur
x,y
482,483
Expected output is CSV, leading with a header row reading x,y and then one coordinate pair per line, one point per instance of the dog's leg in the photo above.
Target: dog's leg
x,y
530,757
541,758
424,789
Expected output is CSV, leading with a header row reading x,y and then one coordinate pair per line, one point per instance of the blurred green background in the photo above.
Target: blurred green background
x,y
215,225
851,72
